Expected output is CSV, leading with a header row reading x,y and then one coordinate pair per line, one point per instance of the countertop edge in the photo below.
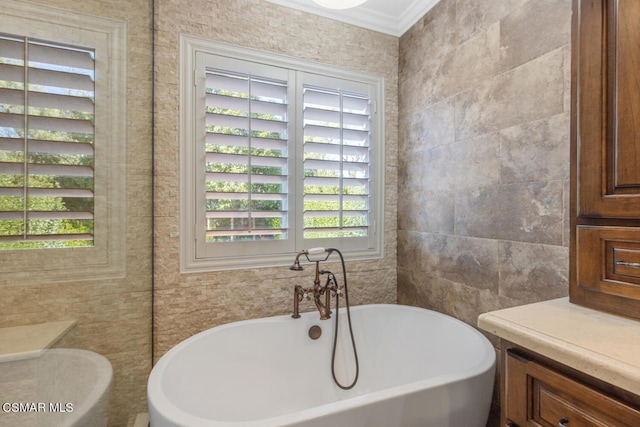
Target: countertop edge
x,y
26,341
595,364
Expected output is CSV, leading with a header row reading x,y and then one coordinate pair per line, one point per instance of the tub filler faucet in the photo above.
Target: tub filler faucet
x,y
316,255
330,288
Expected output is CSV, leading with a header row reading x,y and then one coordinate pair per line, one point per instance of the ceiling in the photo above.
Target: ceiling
x,y
392,17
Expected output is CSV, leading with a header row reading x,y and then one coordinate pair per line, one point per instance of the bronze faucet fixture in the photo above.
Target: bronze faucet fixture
x,y
330,287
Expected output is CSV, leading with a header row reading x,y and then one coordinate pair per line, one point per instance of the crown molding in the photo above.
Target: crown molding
x,y
366,16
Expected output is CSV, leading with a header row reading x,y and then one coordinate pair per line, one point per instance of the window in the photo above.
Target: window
x,y
62,144
46,144
278,155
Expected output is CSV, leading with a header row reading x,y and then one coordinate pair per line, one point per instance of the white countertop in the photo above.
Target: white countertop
x,y
20,342
602,345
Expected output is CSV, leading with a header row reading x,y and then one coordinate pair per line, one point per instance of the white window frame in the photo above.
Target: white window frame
x,y
192,261
106,259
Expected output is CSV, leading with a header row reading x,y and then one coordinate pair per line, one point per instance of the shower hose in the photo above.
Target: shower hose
x,y
335,337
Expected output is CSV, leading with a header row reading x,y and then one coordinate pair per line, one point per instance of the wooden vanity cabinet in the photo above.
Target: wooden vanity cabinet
x,y
536,393
605,156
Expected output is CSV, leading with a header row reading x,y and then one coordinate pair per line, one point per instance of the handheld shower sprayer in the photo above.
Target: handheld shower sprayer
x,y
313,255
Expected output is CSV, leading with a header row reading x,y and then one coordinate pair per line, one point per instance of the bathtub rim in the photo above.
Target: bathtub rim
x,y
485,365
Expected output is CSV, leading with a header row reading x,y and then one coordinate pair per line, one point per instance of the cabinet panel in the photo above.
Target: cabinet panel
x,y
627,93
607,104
536,395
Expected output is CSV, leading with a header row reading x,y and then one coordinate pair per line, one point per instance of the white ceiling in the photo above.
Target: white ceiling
x,y
392,17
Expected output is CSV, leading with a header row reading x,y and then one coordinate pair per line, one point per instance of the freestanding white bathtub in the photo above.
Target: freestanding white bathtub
x,y
417,368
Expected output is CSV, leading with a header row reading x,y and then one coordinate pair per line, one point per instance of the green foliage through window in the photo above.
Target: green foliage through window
x,y
246,158
46,144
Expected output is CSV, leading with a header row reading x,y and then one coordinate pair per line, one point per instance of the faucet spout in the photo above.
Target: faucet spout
x,y
298,294
325,313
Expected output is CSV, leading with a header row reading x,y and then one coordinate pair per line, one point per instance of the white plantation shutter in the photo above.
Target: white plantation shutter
x,y
46,144
242,158
336,163
278,155
246,157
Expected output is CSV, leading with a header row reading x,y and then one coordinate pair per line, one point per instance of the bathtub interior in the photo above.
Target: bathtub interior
x,y
280,370
69,387
416,345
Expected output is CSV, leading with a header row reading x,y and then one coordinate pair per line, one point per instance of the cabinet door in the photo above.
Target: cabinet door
x,y
536,395
607,104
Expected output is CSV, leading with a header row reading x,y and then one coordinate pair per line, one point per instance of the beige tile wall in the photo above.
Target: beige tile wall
x,y
187,304
114,316
484,91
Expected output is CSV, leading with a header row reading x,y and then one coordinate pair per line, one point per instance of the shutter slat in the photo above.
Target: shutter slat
x,y
330,118
60,170
245,214
227,83
11,144
334,198
61,192
315,232
8,168
59,215
243,141
47,147
319,181
238,159
48,215
359,152
12,191
47,237
243,196
12,73
10,96
46,192
57,55
60,101
356,105
355,136
256,179
60,147
60,124
239,122
227,121
10,120
332,165
60,79
332,213
254,231
242,104
324,99
269,90
12,48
